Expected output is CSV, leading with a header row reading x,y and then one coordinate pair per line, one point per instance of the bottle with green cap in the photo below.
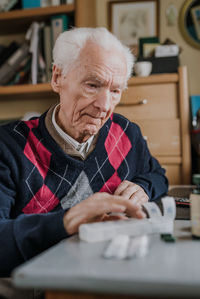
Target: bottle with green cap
x,y
195,207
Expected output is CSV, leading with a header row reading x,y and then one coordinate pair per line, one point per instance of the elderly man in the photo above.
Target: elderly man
x,y
79,162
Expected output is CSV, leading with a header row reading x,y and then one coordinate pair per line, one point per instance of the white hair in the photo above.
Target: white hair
x,y
69,44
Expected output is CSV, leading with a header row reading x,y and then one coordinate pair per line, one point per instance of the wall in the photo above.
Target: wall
x,y
189,56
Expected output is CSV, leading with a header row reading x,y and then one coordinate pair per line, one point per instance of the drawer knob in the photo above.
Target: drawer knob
x,y
141,102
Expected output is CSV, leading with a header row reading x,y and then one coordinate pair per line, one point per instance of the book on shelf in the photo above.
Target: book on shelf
x,y
33,35
149,49
167,50
147,40
66,1
47,51
22,74
8,51
55,2
8,69
59,23
45,3
41,74
26,4
61,2
6,5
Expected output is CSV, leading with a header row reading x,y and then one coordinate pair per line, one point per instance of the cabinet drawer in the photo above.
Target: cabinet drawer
x,y
160,102
172,165
163,136
173,173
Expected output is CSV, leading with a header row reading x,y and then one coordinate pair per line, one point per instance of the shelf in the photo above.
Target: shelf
x,y
46,87
19,20
27,90
154,78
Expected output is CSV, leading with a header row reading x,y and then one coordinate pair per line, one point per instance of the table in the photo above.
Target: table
x,y
169,269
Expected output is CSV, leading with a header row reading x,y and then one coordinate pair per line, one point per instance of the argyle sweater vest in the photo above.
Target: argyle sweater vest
x,y
39,181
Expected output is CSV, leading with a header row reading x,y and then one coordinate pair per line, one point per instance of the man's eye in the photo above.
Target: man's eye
x,y
116,91
92,85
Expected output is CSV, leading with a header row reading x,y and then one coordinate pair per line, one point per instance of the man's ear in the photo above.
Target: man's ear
x,y
55,80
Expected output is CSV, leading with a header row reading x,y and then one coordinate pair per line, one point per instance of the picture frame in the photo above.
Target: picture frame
x,y
132,19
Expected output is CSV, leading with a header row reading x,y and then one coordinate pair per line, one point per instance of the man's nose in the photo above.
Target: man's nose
x,y
102,101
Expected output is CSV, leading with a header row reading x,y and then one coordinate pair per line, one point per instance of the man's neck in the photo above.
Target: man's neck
x,y
77,136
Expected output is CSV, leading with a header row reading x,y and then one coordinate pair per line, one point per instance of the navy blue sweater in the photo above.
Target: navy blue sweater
x,y
39,181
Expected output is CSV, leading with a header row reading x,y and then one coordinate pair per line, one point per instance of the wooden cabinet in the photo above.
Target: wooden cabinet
x,y
159,104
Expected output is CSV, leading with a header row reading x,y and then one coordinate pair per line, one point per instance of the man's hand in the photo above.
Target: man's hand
x,y
132,191
97,207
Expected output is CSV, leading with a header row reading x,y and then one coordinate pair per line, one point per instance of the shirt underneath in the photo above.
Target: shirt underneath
x,y
82,148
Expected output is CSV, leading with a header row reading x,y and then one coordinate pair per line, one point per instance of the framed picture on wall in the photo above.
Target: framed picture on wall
x,y
130,20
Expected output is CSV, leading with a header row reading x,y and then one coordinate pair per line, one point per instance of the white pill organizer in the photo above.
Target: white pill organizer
x,y
101,231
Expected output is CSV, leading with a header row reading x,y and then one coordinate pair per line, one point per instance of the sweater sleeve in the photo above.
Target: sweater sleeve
x,y
150,175
25,236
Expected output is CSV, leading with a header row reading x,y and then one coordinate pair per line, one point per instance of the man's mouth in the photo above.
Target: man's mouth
x,y
101,117
94,120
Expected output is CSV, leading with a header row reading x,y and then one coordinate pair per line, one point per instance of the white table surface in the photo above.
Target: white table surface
x,y
169,268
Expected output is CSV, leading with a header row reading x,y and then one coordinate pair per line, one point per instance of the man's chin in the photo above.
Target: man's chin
x,y
92,129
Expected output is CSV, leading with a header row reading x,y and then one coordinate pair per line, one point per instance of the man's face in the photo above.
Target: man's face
x,y
90,91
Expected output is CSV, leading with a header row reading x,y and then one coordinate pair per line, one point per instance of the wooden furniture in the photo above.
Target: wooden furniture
x,y
15,101
18,21
77,269
159,104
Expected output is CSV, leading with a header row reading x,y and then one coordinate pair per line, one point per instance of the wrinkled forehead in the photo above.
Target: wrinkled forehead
x,y
92,53
97,61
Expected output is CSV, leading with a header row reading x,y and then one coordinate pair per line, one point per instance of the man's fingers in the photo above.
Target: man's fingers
x,y
90,209
120,189
131,191
140,214
114,217
110,204
139,197
95,207
117,204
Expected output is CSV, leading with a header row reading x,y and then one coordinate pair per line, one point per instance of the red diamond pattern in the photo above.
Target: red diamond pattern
x,y
117,145
44,200
36,152
111,184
